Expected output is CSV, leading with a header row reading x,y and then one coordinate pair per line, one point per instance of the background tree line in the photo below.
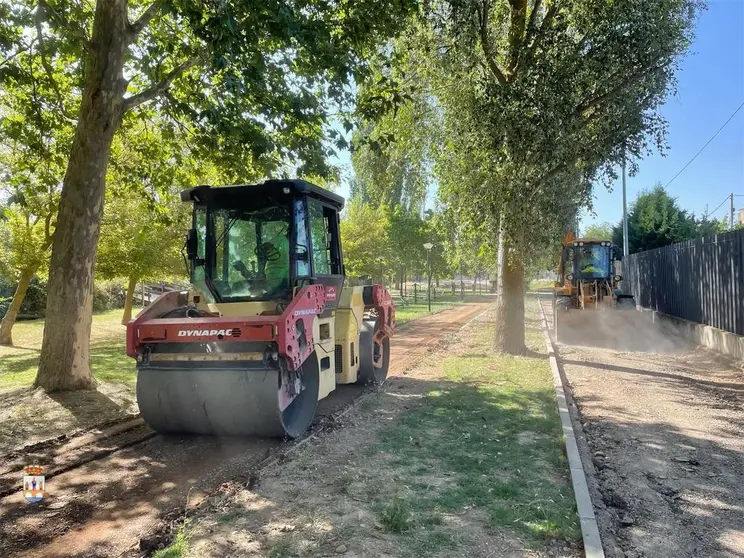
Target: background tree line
x,y
655,220
510,110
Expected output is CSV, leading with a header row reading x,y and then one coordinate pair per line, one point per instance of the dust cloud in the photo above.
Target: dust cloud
x,y
621,330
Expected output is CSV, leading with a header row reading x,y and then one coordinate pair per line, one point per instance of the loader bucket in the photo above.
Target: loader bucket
x,y
226,401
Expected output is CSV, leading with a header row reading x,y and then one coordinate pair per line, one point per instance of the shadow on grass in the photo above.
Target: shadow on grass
x,y
494,446
110,363
89,406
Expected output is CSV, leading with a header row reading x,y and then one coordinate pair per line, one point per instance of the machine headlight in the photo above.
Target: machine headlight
x,y
576,243
581,243
569,276
618,277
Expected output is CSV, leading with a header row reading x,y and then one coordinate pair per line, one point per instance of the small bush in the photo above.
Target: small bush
x,y
396,516
108,295
34,303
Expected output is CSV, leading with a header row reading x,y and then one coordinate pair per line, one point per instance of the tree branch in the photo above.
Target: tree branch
x,y
549,15
533,20
533,33
161,86
486,45
40,18
144,19
48,235
615,91
516,32
59,19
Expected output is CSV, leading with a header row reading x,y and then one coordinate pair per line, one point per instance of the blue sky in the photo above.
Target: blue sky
x,y
710,88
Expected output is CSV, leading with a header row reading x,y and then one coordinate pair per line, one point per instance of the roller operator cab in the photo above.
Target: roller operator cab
x,y
270,328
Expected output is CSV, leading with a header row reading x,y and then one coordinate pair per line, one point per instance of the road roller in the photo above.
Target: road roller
x,y
268,327
587,292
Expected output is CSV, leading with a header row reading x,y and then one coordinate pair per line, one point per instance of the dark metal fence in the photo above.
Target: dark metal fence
x,y
700,280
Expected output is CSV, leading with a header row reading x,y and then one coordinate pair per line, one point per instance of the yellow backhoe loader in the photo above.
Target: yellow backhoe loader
x,y
587,285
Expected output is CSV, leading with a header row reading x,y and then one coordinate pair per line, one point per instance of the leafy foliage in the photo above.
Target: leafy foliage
x,y
599,231
655,220
535,102
364,238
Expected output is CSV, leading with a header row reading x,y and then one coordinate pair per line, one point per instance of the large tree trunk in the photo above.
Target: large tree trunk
x,y
6,326
64,363
509,336
128,302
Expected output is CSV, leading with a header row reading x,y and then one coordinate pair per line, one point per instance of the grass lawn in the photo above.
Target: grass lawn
x,y
491,431
540,284
109,362
462,456
413,311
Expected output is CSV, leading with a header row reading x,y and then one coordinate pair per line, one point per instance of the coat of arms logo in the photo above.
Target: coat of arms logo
x,y
33,483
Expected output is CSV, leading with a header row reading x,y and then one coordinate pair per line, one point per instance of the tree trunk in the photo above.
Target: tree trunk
x,y
509,335
64,362
6,326
129,301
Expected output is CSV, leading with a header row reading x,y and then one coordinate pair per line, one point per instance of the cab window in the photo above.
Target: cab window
x,y
320,239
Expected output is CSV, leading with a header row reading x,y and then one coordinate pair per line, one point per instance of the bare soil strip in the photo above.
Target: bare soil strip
x,y
106,506
80,450
665,428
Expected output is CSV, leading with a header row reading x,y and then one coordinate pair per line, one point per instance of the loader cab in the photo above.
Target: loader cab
x,y
260,243
588,260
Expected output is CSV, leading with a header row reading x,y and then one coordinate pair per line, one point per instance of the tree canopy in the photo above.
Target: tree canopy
x,y
599,231
655,220
250,85
535,102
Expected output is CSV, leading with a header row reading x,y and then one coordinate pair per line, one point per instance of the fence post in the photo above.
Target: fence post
x,y
415,293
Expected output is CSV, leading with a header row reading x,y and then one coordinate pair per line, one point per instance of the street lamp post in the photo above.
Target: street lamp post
x,y
428,246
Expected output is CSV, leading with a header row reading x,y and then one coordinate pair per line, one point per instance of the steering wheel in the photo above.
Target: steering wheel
x,y
239,266
269,252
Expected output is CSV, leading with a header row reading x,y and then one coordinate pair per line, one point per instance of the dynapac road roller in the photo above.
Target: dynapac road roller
x,y
270,328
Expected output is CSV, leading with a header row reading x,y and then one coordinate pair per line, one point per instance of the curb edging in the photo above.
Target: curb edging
x,y
589,528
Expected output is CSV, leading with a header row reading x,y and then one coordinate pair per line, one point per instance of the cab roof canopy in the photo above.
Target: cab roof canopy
x,y
252,195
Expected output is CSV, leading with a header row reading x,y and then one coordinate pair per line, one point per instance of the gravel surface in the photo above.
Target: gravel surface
x,y
664,430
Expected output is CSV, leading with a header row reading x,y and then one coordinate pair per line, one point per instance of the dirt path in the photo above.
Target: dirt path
x,y
109,506
454,459
664,428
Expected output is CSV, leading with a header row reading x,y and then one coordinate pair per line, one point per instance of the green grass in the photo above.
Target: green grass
x,y
540,284
490,436
413,311
178,548
107,352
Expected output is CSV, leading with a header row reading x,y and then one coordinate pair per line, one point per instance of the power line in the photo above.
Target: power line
x,y
706,145
727,198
